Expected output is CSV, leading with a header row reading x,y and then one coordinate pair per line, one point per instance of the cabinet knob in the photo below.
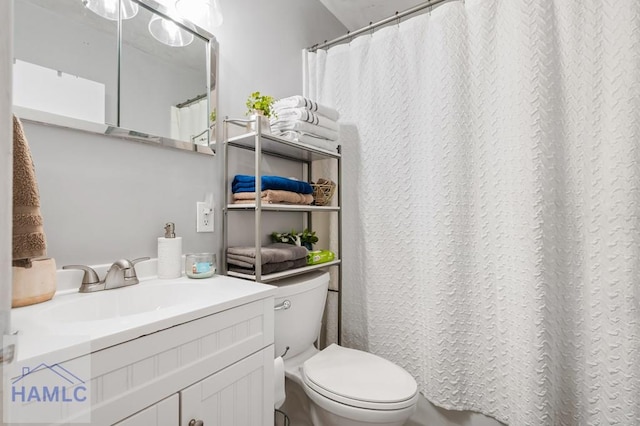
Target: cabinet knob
x,y
195,422
283,306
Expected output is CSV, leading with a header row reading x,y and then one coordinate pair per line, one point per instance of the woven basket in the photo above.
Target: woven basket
x,y
323,191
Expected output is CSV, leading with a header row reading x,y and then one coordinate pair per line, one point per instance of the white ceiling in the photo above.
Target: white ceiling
x,y
355,14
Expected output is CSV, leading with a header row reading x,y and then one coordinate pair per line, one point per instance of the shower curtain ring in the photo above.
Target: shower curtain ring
x,y
397,19
371,25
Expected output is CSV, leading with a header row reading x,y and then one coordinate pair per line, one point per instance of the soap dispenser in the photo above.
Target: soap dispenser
x,y
169,253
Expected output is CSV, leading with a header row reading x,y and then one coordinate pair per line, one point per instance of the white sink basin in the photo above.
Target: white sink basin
x,y
127,301
109,317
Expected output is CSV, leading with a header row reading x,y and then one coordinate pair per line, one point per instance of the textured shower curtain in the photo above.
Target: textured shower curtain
x,y
492,204
190,121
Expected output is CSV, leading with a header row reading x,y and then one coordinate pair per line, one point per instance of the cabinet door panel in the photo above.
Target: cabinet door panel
x,y
239,395
164,413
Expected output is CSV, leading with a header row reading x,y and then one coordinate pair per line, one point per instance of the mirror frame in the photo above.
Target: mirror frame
x,y
133,135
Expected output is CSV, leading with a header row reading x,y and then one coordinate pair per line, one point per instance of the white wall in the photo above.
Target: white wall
x,y
103,198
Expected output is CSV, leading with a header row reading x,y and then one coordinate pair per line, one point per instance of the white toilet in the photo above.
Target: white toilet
x,y
345,387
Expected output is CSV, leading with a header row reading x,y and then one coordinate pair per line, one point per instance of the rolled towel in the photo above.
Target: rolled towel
x,y
305,127
271,253
28,233
269,268
273,196
302,102
303,114
247,183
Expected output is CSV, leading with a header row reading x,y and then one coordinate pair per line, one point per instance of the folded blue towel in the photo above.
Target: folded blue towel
x,y
246,183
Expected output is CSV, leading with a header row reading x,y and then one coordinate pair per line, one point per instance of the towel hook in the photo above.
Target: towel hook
x,y
285,352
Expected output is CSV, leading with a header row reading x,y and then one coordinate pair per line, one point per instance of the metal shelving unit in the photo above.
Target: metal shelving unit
x,y
267,144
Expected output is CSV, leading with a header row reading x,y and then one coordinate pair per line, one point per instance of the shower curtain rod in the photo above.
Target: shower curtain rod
x,y
191,101
372,26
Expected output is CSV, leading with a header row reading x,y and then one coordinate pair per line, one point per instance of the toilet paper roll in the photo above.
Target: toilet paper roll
x,y
278,382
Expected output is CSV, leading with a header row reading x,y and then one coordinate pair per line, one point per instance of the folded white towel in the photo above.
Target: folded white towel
x,y
304,138
305,127
302,102
304,114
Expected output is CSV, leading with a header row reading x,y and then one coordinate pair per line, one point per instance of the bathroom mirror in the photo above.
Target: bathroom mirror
x,y
150,76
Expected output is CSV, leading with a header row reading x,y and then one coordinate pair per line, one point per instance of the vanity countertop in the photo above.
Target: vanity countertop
x,y
75,324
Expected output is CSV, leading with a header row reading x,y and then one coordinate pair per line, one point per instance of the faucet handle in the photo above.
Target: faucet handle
x,y
89,277
131,271
126,263
127,266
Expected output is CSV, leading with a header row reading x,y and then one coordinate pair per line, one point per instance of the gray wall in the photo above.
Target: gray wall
x,y
261,42
104,198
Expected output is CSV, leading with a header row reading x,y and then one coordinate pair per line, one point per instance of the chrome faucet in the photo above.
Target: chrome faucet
x,y
121,273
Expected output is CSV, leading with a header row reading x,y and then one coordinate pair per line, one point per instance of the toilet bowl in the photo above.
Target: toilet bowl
x,y
345,387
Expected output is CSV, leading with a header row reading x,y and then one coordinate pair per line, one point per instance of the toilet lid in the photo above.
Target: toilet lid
x,y
359,379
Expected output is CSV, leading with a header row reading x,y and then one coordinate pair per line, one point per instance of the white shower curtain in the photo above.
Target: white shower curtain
x,y
492,204
190,122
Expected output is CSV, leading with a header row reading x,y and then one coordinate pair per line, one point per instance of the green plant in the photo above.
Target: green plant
x,y
262,103
308,237
304,238
213,116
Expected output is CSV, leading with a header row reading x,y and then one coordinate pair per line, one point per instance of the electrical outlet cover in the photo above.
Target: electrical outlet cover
x,y
204,217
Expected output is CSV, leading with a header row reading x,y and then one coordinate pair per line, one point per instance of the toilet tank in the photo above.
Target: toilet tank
x,y
298,326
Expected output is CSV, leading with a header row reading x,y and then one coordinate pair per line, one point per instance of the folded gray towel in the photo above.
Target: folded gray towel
x,y
271,268
271,253
233,259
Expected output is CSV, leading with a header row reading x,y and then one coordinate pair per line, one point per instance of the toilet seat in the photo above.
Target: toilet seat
x,y
359,379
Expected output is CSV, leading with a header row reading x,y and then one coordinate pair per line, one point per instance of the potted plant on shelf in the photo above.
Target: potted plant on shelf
x,y
259,108
305,238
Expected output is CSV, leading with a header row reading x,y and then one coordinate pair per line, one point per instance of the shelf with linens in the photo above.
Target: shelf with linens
x,y
264,144
284,207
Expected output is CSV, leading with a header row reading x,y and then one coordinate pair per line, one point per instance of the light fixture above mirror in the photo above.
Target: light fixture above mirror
x,y
168,32
206,13
108,9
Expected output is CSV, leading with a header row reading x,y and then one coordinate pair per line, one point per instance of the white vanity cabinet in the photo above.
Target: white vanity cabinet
x,y
164,413
208,359
233,396
219,369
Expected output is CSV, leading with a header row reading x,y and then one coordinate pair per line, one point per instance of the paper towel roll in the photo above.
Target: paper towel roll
x,y
169,257
278,382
